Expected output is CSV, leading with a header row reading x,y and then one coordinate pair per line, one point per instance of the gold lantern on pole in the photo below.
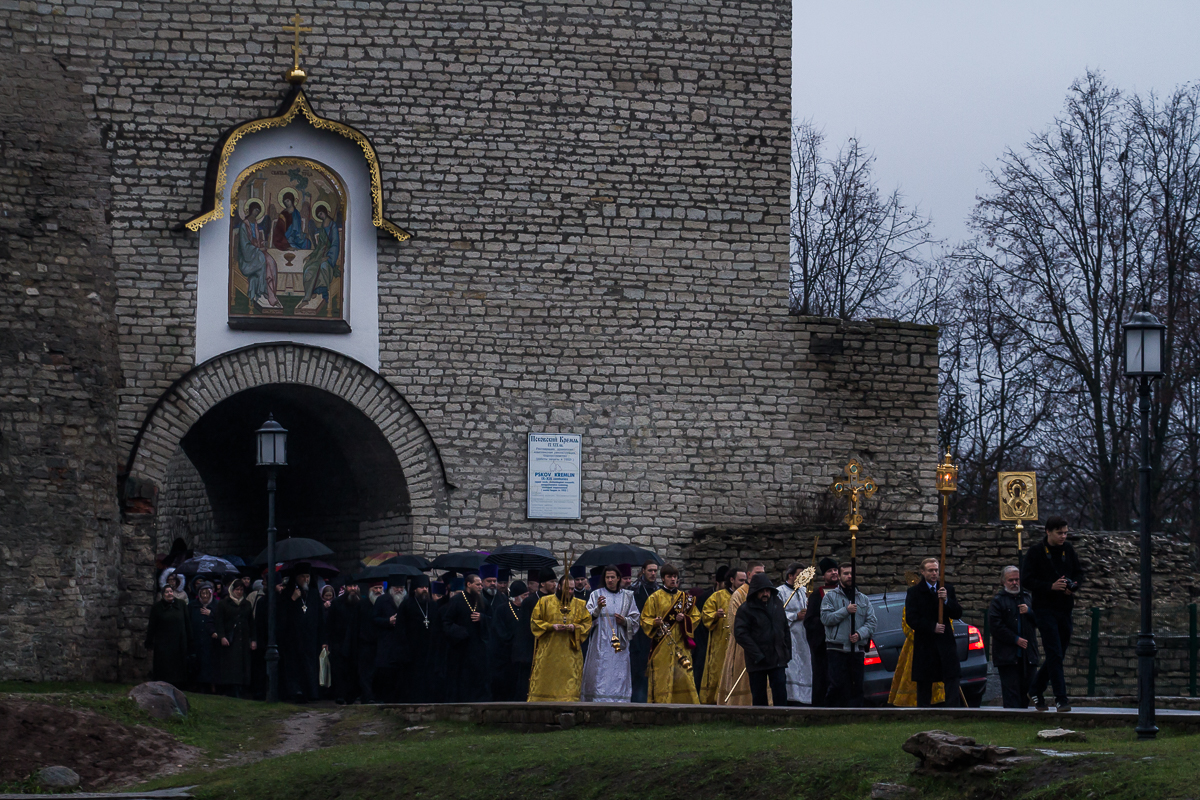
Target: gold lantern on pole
x,y
947,483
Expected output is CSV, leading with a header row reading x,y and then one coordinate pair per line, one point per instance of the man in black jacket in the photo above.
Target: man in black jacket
x,y
935,654
814,632
1052,575
1014,639
761,628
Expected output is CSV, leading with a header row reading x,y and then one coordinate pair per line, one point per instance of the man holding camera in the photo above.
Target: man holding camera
x,y
1052,575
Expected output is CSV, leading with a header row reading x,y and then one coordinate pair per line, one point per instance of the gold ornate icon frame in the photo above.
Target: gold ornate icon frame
x,y
1018,496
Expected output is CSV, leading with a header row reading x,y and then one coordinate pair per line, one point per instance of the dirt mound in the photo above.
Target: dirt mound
x,y
36,735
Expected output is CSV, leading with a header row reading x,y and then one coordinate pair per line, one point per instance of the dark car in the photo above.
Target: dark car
x,y
884,652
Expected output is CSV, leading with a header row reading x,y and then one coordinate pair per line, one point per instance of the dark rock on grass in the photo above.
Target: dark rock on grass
x,y
58,778
160,700
942,751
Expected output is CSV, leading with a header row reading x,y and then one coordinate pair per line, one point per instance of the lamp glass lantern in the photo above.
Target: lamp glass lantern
x,y
272,443
947,475
1144,346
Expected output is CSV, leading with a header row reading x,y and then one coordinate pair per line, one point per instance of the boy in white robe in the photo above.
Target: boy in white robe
x,y
799,671
606,672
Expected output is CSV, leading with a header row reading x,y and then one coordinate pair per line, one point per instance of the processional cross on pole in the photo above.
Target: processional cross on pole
x,y
854,487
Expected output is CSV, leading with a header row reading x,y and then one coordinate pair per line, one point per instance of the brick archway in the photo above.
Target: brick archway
x,y
202,388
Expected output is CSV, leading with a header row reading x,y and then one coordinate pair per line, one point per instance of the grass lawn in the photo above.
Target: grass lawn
x,y
709,762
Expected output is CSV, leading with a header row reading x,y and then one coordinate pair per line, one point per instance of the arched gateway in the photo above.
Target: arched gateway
x,y
364,472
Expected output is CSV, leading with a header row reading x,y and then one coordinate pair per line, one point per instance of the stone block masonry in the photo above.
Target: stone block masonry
x,y
599,200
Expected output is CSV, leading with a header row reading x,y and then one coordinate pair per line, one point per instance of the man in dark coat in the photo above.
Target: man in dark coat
x,y
342,637
169,635
368,641
761,628
501,635
814,631
465,628
935,653
490,598
419,620
389,653
234,625
300,644
1053,576
640,645
1014,639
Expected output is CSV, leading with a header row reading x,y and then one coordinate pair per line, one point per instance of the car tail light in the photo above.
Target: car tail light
x,y
974,640
872,656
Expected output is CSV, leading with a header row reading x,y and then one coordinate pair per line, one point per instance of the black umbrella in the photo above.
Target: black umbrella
x,y
385,572
311,566
523,556
460,562
296,548
207,565
617,554
420,562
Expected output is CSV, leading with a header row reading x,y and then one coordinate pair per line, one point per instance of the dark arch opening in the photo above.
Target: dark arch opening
x,y
343,484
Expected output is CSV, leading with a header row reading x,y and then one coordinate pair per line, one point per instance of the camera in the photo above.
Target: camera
x,y
1072,585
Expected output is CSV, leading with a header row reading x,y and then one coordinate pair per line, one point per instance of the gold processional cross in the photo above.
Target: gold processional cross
x,y
854,487
295,74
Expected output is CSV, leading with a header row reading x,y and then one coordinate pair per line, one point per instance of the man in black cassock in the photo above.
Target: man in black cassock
x,y
935,654
389,652
490,598
639,647
300,644
420,620
501,634
343,644
368,641
814,631
465,627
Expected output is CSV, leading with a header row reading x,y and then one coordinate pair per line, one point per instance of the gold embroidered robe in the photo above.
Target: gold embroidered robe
x,y
668,680
720,629
557,672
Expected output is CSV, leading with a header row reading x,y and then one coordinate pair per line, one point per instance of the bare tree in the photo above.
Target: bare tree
x,y
855,251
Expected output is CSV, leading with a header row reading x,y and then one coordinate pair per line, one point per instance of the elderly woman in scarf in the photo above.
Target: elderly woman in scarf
x,y
234,625
203,614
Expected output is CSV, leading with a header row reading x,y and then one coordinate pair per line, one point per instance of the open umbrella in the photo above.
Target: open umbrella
x,y
207,566
378,558
523,556
459,561
295,548
385,572
315,567
617,554
420,562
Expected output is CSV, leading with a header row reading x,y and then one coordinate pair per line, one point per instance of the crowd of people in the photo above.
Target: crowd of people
x,y
608,637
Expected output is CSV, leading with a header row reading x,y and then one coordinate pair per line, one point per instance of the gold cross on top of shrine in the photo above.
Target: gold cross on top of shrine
x,y
853,487
296,75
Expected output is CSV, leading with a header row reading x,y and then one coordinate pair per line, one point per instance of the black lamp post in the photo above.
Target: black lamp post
x,y
1144,361
272,454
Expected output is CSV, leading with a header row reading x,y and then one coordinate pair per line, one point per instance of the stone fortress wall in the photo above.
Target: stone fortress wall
x,y
598,197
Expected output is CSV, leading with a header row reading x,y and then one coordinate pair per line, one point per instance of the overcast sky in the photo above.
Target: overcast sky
x,y
938,88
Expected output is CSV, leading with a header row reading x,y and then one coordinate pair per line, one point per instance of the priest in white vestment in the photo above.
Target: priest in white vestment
x,y
606,672
799,671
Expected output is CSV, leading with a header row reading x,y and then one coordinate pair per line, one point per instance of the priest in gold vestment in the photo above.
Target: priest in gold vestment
x,y
560,626
734,687
716,618
669,618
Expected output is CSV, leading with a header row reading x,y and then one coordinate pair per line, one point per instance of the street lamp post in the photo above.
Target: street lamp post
x,y
272,454
1144,361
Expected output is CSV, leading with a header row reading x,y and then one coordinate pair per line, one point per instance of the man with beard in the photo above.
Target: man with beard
x,y
669,620
560,624
490,599
420,620
501,635
761,630
169,634
368,641
734,690
606,674
814,631
343,644
849,622
465,628
799,669
301,644
626,576
639,649
1014,638
720,627
389,651
579,580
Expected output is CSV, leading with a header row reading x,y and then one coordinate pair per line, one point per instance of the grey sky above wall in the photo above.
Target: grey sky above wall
x,y
938,88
